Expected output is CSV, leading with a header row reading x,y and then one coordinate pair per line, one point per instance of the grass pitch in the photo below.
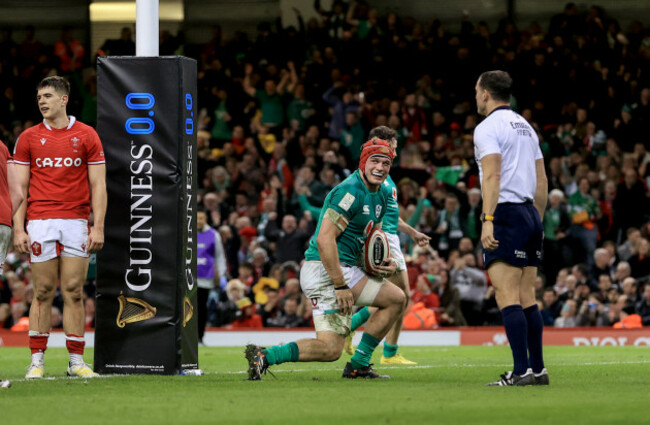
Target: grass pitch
x,y
589,385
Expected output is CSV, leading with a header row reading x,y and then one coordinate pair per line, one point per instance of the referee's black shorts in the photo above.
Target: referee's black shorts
x,y
519,231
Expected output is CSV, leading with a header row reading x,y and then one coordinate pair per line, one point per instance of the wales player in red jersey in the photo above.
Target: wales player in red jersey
x,y
10,198
60,163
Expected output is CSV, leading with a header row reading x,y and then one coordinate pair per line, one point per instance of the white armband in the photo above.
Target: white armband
x,y
338,219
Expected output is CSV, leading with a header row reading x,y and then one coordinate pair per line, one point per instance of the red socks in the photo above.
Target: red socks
x,y
38,341
75,344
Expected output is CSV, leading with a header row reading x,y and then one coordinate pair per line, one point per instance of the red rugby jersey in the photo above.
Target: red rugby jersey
x,y
58,161
5,199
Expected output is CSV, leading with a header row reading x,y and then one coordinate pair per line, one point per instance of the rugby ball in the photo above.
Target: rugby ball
x,y
376,250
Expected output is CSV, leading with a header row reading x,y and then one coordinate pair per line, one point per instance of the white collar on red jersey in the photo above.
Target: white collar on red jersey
x,y
70,117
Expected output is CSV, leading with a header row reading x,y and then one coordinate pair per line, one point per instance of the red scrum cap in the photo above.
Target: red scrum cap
x,y
374,147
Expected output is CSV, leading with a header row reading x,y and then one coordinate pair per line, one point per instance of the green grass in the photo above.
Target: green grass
x,y
589,385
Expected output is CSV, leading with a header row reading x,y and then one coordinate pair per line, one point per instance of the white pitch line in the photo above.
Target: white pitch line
x,y
243,372
437,366
71,378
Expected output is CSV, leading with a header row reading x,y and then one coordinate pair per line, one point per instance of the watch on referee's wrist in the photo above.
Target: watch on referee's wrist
x,y
486,217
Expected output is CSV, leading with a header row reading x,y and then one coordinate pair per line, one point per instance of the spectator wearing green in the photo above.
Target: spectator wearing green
x,y
471,204
451,174
352,136
471,212
304,203
365,25
584,212
556,224
87,87
449,230
299,110
222,130
315,190
413,220
270,99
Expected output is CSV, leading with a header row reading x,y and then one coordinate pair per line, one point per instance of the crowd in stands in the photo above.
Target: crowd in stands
x,y
284,111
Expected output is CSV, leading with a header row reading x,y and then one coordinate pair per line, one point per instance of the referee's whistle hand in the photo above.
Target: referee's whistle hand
x,y
490,244
487,237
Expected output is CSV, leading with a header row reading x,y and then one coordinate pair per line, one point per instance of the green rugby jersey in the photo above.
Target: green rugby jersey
x,y
391,219
363,210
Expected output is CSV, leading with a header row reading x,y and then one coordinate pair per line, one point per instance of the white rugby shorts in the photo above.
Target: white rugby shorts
x,y
317,285
54,237
396,251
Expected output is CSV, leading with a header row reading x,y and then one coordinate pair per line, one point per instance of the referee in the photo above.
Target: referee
x,y
514,186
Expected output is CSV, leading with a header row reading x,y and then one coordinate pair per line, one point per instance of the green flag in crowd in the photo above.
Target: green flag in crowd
x,y
449,175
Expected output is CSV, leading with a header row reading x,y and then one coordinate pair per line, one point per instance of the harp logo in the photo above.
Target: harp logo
x,y
188,311
133,310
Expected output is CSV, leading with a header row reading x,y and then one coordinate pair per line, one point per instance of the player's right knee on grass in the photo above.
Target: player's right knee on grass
x,y
333,352
338,324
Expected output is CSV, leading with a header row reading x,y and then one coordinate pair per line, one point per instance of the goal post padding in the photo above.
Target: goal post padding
x,y
146,315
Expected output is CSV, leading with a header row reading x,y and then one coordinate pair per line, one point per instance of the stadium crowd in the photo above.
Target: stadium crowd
x,y
283,114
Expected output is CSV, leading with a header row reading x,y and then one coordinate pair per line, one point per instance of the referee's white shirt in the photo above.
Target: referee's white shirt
x,y
507,133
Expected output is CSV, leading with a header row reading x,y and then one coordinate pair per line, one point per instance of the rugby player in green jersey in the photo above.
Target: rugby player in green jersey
x,y
331,280
391,224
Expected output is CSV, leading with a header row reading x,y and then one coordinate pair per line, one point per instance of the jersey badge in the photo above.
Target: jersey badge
x,y
74,141
366,210
377,211
347,201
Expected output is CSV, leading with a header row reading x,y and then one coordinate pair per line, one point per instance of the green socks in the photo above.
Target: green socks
x,y
364,351
281,353
368,343
359,318
389,350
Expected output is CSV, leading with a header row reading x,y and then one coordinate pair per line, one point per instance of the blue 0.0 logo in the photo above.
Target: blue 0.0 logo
x,y
140,101
189,122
